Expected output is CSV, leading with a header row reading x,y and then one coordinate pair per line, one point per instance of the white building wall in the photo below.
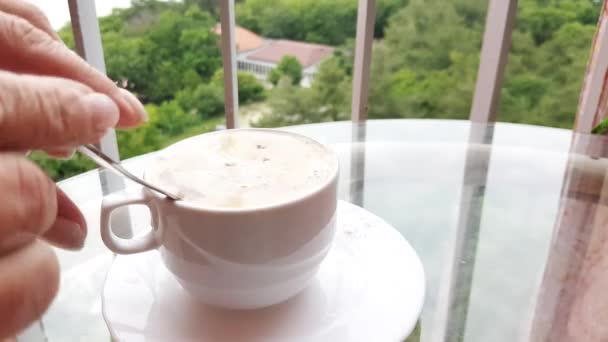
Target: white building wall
x,y
261,70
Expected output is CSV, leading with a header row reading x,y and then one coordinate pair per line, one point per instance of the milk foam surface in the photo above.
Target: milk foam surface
x,y
242,168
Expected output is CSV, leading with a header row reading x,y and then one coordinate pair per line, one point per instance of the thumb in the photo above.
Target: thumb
x,y
38,112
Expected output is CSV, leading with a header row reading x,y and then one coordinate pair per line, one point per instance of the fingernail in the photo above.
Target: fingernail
x,y
67,234
102,110
135,104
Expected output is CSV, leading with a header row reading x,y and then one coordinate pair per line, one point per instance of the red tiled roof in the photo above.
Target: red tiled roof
x,y
245,39
306,53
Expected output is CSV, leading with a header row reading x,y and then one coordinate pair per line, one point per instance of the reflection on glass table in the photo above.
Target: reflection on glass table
x,y
507,219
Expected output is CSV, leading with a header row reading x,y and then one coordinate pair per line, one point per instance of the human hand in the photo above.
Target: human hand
x,y
50,99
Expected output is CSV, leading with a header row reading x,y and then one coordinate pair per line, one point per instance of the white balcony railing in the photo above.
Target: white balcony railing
x,y
496,43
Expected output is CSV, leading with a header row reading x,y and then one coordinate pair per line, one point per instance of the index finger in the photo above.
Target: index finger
x,y
30,13
45,112
27,49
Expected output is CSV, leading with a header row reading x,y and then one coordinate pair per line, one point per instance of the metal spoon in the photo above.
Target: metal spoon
x,y
103,160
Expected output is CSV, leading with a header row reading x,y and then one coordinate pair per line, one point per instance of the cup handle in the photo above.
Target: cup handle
x,y
151,240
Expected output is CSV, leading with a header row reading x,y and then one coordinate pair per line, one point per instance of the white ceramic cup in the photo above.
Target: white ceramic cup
x,y
235,258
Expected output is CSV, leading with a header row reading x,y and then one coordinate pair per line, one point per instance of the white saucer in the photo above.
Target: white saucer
x,y
369,288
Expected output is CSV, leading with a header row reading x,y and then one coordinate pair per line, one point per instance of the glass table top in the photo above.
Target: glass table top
x,y
507,219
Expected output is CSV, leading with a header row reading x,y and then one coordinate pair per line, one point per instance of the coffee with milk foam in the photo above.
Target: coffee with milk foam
x,y
243,168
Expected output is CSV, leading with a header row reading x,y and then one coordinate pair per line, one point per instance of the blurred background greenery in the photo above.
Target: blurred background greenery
x,y
424,64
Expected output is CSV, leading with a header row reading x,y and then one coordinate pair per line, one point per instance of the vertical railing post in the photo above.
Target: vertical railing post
x,y
87,37
357,166
592,106
500,21
455,293
366,18
231,95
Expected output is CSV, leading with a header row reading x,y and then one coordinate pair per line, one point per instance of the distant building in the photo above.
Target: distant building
x,y
258,55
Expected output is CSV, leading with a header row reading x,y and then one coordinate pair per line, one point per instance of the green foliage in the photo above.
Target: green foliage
x,y
345,56
124,63
425,45
157,48
205,101
211,6
65,33
166,121
250,89
601,128
327,99
60,169
176,45
288,66
290,105
144,139
332,90
543,18
319,21
173,119
422,69
543,22
425,70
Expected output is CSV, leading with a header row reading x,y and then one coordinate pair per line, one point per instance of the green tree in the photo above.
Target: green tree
x,y
422,69
345,56
289,105
157,48
331,91
563,61
124,62
205,101
61,169
144,139
250,89
177,44
543,18
318,21
288,66
543,22
327,100
415,39
211,6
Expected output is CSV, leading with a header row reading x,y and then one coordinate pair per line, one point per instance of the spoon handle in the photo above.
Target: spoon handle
x,y
103,160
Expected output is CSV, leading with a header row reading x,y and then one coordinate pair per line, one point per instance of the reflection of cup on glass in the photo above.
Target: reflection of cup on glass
x,y
257,218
